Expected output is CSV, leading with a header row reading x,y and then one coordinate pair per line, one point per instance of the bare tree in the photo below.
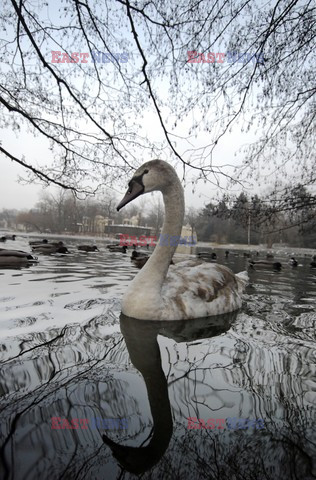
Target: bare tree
x,y
86,77
191,218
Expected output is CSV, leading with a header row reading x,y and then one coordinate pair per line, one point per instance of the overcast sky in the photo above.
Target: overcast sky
x,y
19,195
36,151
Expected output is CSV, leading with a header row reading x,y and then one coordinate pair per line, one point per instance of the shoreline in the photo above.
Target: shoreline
x,y
277,248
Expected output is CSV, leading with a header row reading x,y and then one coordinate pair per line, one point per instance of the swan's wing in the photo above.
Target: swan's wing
x,y
196,289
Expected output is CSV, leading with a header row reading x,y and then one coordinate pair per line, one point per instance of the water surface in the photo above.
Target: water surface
x,y
67,352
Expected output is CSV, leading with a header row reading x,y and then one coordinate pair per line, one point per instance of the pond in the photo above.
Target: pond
x,y
87,393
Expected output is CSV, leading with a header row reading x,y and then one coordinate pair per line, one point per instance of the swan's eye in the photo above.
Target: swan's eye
x,y
146,171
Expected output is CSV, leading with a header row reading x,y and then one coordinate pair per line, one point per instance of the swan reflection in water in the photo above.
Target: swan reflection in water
x,y
142,345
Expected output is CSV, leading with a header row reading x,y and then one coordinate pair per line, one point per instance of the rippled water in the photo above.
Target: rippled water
x,y
66,352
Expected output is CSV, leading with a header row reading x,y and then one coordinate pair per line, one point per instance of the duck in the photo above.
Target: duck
x,y
313,262
293,262
140,261
117,248
15,258
46,245
270,255
139,253
111,245
88,248
38,242
265,264
206,255
190,289
50,248
4,238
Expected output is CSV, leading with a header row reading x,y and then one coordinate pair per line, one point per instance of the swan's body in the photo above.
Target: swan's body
x,y
189,289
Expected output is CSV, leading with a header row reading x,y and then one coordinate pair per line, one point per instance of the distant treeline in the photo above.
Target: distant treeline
x,y
290,220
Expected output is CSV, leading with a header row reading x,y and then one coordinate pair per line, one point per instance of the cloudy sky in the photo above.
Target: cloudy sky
x,y
35,150
17,193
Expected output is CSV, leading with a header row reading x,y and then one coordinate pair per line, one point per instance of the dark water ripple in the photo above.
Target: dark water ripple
x,y
65,352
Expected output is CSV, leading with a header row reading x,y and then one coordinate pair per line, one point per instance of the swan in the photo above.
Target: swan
x,y
190,289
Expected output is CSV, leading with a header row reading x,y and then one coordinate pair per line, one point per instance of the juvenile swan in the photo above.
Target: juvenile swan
x,y
190,289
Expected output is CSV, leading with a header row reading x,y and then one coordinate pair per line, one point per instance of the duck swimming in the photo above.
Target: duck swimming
x,y
50,248
140,261
88,248
15,258
39,242
265,264
293,262
207,255
189,289
117,248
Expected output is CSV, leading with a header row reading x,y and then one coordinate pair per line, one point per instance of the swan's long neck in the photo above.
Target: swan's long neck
x,y
152,275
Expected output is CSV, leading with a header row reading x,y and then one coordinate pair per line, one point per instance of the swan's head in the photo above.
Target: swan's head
x,y
151,176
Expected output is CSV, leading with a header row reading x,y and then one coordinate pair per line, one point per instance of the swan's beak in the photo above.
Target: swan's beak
x,y
135,189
